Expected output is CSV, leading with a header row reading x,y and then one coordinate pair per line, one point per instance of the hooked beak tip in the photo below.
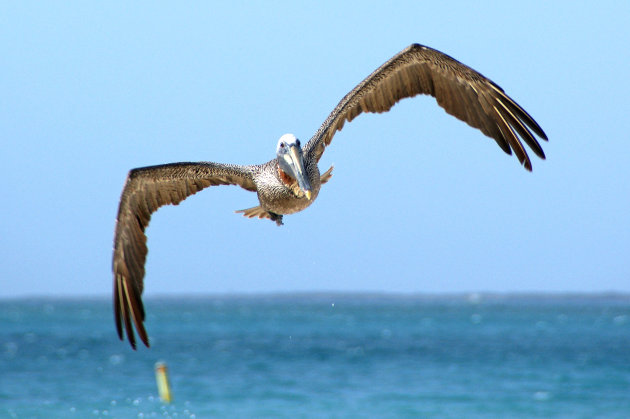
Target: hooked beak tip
x,y
308,195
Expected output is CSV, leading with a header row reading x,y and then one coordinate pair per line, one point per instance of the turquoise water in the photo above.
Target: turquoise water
x,y
322,356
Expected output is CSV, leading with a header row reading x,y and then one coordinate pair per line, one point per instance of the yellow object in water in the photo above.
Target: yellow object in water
x,y
161,376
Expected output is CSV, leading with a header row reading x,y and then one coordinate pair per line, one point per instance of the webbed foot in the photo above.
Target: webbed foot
x,y
276,217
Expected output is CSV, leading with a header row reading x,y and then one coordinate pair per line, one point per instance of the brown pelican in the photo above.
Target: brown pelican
x,y
291,181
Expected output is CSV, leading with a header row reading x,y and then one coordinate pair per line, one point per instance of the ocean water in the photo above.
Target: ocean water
x,y
340,356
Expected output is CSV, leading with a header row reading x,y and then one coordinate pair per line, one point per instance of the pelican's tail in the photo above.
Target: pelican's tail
x,y
254,212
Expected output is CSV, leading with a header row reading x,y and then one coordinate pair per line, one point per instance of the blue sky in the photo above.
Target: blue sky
x,y
419,202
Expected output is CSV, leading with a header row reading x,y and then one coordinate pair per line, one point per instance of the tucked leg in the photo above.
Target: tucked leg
x,y
275,217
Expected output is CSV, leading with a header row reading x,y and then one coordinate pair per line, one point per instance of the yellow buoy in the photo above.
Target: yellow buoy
x,y
161,376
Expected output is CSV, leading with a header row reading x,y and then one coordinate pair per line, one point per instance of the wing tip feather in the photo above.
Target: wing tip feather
x,y
128,311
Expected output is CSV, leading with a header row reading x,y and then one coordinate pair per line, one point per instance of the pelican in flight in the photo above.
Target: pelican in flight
x,y
291,181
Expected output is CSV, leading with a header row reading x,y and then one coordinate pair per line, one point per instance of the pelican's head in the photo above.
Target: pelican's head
x,y
291,161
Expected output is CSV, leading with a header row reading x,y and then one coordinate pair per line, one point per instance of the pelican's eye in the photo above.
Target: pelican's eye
x,y
281,145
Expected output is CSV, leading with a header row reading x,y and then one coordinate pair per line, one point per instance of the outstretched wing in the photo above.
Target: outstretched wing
x,y
147,189
460,90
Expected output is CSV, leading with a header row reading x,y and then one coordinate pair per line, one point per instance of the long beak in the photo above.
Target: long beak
x,y
296,163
